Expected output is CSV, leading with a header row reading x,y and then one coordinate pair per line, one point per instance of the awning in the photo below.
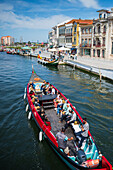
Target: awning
x,y
63,49
26,48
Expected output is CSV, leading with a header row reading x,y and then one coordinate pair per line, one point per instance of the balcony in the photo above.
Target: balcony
x,y
104,32
85,45
61,34
68,34
103,45
98,45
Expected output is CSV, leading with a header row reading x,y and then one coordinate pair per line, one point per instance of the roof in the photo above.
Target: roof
x,y
103,10
63,23
80,21
5,36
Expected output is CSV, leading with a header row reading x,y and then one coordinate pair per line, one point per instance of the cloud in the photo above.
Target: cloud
x,y
11,20
6,7
90,4
87,3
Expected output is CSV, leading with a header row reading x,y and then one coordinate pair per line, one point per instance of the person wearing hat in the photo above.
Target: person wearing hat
x,y
62,139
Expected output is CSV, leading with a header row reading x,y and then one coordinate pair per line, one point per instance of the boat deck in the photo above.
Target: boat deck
x,y
56,127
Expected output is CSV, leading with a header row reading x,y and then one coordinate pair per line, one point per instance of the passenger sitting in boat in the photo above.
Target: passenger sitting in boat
x,y
37,102
44,90
47,84
59,106
58,96
43,116
65,105
31,84
84,133
66,114
37,88
42,87
62,139
31,92
49,89
72,119
53,90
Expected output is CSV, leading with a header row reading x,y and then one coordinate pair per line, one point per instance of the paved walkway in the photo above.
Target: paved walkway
x,y
94,62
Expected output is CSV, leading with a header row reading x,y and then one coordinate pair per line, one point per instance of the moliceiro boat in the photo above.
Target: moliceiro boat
x,y
47,62
45,106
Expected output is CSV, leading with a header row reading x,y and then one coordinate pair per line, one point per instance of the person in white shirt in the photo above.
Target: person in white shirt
x,y
84,133
72,119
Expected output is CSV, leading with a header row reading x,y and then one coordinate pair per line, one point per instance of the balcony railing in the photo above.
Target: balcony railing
x,y
104,32
103,45
98,45
61,34
68,34
85,45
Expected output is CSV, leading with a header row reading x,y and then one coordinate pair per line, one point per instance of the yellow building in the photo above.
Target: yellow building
x,y
76,24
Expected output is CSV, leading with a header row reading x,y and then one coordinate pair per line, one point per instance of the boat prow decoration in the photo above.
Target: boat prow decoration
x,y
43,105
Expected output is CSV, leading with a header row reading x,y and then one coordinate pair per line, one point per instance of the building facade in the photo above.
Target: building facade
x,y
85,40
7,40
93,38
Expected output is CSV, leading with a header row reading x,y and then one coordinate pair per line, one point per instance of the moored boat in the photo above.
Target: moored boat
x,y
48,62
1,50
50,127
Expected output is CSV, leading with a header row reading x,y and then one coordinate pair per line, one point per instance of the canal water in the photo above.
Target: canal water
x,y
19,144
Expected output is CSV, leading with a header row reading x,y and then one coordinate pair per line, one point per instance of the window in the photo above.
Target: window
x,y
104,29
85,41
94,30
75,29
98,53
100,16
104,15
61,31
87,52
112,48
94,42
99,29
68,40
82,30
62,40
89,30
103,53
98,42
74,40
89,41
93,53
82,41
69,31
86,30
104,41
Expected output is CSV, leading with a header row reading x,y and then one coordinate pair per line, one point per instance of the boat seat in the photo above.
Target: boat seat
x,y
96,155
72,157
85,146
90,154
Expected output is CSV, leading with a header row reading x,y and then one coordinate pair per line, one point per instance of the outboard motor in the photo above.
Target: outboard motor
x,y
81,156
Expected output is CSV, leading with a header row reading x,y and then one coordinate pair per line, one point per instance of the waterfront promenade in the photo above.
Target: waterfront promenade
x,y
95,65
93,62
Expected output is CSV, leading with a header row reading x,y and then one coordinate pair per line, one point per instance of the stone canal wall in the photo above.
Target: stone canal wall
x,y
101,67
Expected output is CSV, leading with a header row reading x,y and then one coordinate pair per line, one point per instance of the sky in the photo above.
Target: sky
x,y
32,20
